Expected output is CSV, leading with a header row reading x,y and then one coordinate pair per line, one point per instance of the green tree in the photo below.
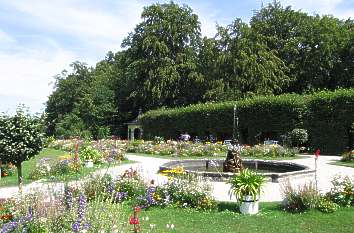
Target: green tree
x,y
161,55
98,106
20,139
68,91
246,65
315,49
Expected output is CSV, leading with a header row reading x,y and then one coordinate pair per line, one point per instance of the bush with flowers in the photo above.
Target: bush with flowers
x,y
342,191
176,148
271,151
41,170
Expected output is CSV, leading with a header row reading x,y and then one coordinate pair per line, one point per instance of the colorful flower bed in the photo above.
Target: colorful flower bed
x,y
97,204
270,151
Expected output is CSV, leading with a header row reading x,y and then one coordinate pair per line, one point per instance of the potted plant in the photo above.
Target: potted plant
x,y
89,155
246,186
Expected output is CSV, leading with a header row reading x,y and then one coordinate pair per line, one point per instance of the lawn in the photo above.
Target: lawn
x,y
52,154
27,166
271,219
342,163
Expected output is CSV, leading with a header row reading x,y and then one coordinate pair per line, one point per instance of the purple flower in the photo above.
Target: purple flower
x,y
80,214
76,226
120,196
82,207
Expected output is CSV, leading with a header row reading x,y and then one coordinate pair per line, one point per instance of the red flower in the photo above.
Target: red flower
x,y
133,221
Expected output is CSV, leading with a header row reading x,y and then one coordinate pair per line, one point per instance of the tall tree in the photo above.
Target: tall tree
x,y
312,47
246,65
68,90
162,54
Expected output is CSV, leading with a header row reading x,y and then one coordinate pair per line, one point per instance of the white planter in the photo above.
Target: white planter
x,y
249,206
88,163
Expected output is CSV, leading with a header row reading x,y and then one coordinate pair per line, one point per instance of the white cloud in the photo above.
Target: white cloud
x,y
55,34
5,38
321,7
90,23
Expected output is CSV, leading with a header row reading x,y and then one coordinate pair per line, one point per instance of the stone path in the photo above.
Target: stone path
x,y
148,167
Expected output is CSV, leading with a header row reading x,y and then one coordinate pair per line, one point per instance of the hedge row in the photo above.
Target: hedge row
x,y
328,117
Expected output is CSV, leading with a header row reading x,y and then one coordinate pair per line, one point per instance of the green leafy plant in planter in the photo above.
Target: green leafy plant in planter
x,y
90,154
246,186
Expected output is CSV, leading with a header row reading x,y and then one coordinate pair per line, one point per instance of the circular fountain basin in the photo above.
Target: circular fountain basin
x,y
273,171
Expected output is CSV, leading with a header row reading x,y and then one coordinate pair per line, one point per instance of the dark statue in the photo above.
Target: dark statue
x,y
233,162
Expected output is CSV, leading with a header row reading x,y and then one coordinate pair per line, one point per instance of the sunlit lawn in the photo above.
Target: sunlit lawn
x,y
271,219
53,155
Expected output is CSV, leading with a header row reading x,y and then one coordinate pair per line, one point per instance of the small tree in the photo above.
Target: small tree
x,y
20,139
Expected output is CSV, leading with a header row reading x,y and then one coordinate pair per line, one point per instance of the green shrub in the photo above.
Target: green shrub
x,y
342,191
41,170
327,117
65,166
187,193
303,198
326,205
348,156
89,153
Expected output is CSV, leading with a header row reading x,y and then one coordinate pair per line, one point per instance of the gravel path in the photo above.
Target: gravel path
x,y
148,167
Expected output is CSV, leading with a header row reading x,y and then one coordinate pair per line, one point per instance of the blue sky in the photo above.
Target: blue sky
x,y
39,38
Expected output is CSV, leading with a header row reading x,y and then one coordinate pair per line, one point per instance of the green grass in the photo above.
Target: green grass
x,y
271,219
52,154
342,163
27,166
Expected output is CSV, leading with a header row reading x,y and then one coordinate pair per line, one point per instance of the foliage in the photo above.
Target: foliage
x,y
261,151
72,126
66,166
186,193
348,156
89,153
303,198
326,205
176,148
41,170
342,191
20,139
7,169
246,183
329,118
165,63
298,136
259,116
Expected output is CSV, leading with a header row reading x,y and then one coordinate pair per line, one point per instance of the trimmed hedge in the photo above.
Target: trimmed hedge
x,y
326,115
329,120
276,114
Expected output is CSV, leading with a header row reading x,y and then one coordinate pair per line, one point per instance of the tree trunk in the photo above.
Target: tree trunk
x,y
19,176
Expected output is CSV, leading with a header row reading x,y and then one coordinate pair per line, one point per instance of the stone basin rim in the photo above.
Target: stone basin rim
x,y
223,176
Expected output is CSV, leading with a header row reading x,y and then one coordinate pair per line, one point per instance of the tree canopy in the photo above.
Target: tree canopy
x,y
20,139
165,62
